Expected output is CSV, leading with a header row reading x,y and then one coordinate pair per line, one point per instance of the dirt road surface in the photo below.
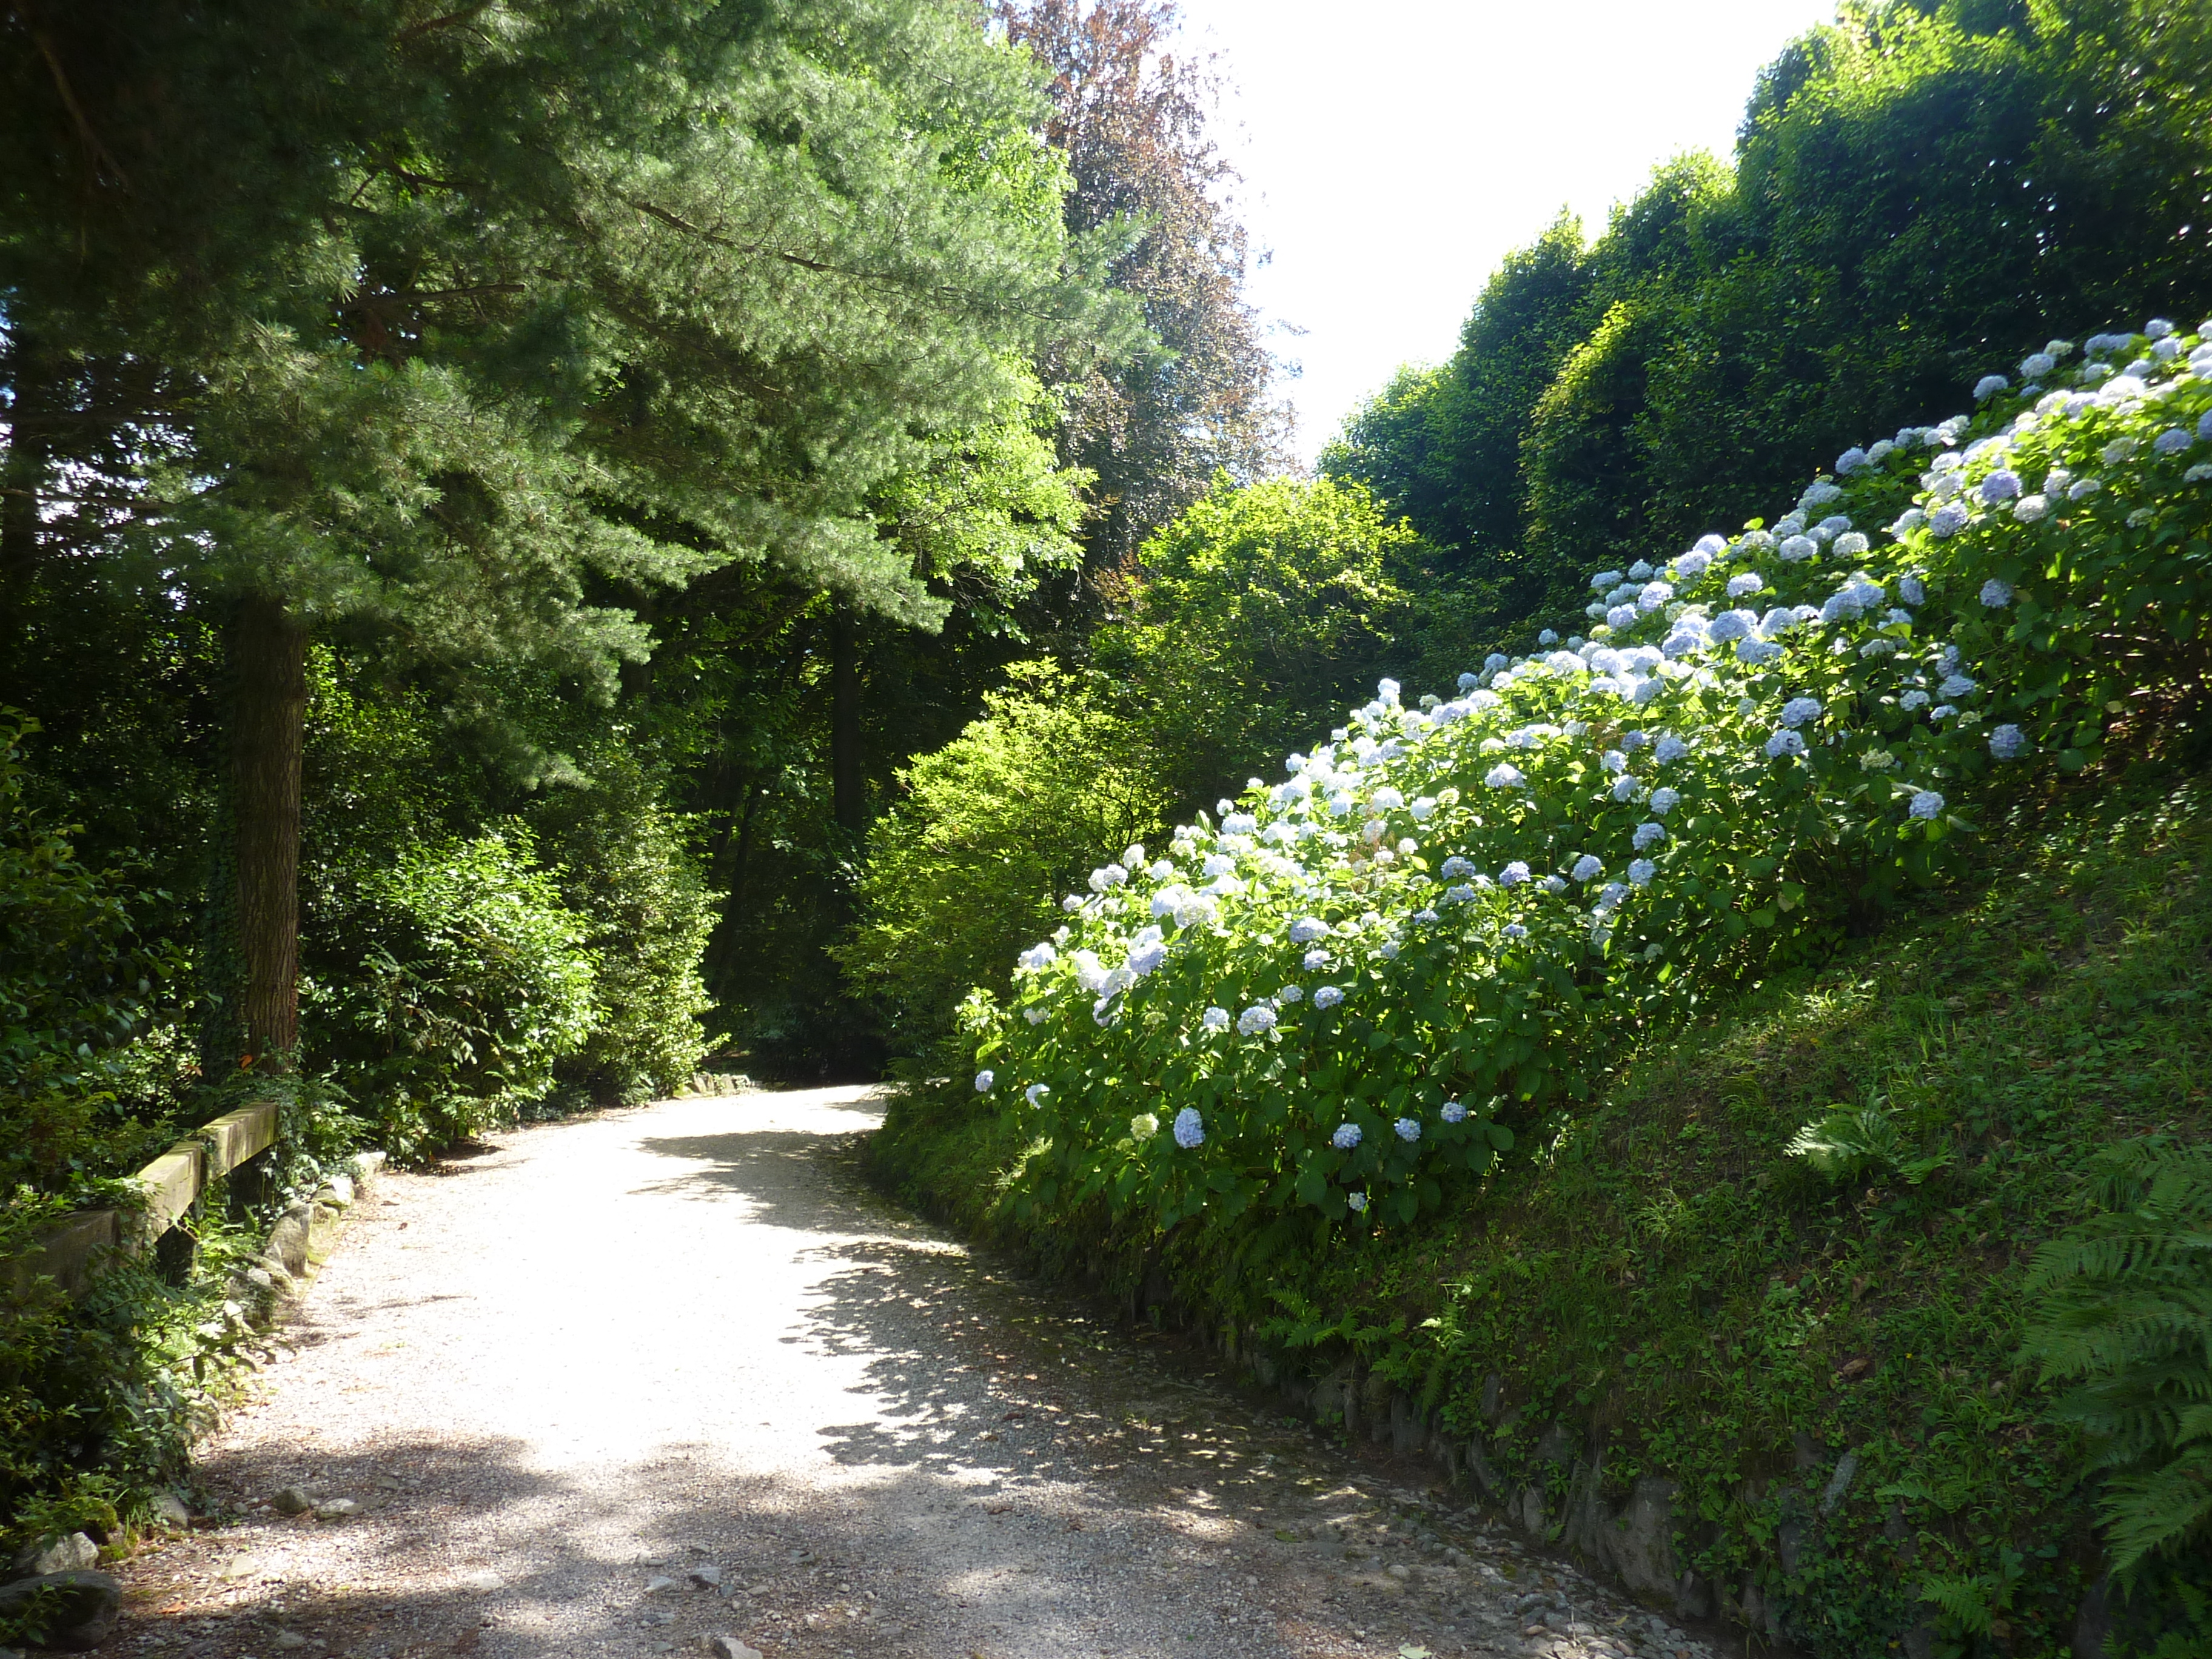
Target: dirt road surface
x,y
628,1385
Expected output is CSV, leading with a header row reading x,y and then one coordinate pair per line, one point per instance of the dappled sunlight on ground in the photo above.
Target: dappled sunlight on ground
x,y
676,1373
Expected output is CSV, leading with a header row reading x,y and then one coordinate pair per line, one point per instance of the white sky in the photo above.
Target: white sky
x,y
1394,152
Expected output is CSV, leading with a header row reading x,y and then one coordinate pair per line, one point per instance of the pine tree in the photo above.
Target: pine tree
x,y
464,331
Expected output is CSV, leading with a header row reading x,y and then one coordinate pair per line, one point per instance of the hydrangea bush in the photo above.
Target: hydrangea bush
x,y
1328,996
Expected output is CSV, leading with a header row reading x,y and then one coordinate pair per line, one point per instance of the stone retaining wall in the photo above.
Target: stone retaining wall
x,y
1632,1542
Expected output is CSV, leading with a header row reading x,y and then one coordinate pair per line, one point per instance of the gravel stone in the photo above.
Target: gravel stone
x,y
74,1553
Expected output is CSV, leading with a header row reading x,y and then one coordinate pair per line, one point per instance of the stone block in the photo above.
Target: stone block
x,y
1642,1545
1405,1424
2092,1622
1374,1406
1586,1528
1555,1446
1486,1476
1337,1396
1529,1512
76,1610
287,1240
69,1554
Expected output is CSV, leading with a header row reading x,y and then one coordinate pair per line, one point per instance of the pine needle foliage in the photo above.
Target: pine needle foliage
x,y
2126,1316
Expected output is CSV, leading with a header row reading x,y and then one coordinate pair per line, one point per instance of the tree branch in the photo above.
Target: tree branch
x,y
950,297
411,295
101,155
676,222
425,180
415,32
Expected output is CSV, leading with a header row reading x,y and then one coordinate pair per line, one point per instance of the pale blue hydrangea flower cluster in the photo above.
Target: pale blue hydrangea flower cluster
x,y
1366,848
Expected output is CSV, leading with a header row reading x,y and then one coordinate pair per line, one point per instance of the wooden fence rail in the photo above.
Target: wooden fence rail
x,y
71,1254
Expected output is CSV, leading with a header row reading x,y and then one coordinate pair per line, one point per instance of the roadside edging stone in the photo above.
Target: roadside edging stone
x,y
87,1606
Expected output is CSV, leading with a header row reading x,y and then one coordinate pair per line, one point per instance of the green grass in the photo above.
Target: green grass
x,y
1661,1270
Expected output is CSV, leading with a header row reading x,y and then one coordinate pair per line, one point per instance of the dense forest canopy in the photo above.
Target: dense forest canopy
x,y
516,434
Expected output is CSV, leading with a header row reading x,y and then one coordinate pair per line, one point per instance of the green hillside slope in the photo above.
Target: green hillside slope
x,y
1668,1289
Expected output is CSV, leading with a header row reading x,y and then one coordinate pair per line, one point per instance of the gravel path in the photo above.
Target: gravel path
x,y
630,1384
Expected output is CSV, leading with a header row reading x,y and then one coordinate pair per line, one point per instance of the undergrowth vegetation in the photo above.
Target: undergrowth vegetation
x,y
1741,1319
103,1393
80,988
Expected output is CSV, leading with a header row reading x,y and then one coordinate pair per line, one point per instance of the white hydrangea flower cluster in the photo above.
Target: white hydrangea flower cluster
x,y
1454,856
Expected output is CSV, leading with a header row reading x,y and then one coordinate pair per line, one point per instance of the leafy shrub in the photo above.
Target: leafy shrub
x,y
2126,1316
987,830
103,1393
1256,611
471,981
627,872
78,989
97,1392
1661,1268
1446,919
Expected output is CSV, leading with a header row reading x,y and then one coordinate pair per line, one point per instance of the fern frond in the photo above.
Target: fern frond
x,y
1966,1600
2125,1315
2160,1513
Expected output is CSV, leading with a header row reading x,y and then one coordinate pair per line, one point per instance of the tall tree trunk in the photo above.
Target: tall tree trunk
x,y
848,797
23,474
268,653
722,946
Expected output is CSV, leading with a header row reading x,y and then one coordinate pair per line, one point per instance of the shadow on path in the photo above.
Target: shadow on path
x,y
1014,1479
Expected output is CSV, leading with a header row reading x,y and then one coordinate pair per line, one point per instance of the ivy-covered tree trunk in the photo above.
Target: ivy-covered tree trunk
x,y
268,653
23,472
848,798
